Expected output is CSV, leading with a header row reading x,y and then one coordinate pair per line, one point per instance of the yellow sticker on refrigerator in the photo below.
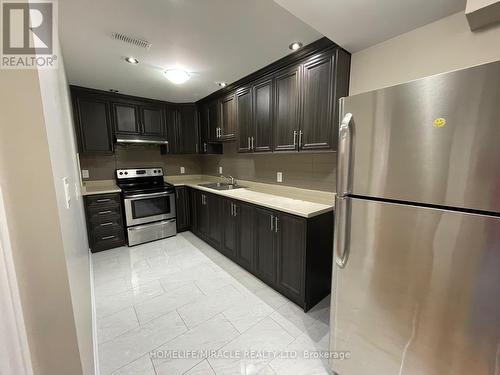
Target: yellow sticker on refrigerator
x,y
439,122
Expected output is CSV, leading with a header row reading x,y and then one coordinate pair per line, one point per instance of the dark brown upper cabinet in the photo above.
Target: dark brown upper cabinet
x,y
93,124
152,121
287,109
126,119
244,119
214,120
227,129
262,136
188,129
316,128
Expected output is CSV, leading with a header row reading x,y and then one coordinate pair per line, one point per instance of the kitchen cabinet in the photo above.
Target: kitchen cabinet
x,y
105,228
227,129
153,121
181,130
286,109
290,247
206,146
229,229
93,124
139,119
291,254
126,119
182,209
244,119
262,137
265,245
214,123
316,127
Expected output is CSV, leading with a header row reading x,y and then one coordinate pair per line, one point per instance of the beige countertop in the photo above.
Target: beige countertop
x,y
99,187
300,202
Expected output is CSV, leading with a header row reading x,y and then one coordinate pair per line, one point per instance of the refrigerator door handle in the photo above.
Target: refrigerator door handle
x,y
342,230
344,156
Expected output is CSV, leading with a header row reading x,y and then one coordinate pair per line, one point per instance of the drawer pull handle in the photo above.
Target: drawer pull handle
x,y
106,224
107,237
103,200
104,212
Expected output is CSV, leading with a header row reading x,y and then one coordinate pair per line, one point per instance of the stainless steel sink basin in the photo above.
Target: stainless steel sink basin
x,y
220,186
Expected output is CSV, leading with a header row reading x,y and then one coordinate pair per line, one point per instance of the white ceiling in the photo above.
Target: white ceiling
x,y
357,24
215,40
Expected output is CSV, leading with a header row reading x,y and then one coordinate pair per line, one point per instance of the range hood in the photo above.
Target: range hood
x,y
136,139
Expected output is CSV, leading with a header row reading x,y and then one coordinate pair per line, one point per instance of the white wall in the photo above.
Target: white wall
x,y
444,45
63,156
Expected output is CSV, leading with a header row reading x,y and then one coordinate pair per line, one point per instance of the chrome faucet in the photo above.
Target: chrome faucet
x,y
230,178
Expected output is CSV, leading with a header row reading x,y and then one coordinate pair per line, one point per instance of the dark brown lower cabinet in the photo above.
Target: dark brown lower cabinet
x,y
104,221
292,254
182,209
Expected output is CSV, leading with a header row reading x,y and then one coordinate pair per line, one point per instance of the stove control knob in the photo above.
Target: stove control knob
x,y
126,172
121,173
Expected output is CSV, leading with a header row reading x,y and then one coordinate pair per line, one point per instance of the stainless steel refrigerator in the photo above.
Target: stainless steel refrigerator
x,y
416,284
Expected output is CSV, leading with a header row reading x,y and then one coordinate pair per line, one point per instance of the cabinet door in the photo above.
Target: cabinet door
x,y
213,120
153,122
317,112
228,119
188,130
93,125
204,128
202,218
182,209
228,240
245,251
265,247
214,220
263,116
244,119
291,246
172,130
126,119
286,108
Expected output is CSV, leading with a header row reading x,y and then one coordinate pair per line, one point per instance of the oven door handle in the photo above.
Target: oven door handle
x,y
162,194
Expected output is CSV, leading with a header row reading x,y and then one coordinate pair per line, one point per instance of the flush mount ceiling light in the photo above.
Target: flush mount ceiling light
x,y
222,84
131,60
294,46
177,76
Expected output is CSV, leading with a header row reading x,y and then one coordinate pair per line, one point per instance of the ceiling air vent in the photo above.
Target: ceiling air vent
x,y
131,40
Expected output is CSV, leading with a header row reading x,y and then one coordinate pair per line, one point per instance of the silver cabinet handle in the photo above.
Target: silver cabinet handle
x,y
276,224
344,157
294,138
235,210
205,146
103,200
272,222
168,146
106,224
177,194
104,212
107,237
249,147
341,230
253,148
300,139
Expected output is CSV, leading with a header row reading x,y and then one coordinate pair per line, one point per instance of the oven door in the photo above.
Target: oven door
x,y
146,208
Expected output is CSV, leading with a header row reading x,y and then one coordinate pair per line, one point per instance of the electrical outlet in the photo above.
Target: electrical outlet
x,y
220,170
279,176
183,170
85,173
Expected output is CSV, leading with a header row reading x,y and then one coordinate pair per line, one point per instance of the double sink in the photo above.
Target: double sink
x,y
221,186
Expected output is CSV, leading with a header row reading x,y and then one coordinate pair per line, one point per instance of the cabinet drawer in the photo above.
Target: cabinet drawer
x,y
103,200
104,214
104,240
111,225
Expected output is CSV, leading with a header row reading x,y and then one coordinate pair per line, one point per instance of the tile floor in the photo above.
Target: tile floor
x,y
178,306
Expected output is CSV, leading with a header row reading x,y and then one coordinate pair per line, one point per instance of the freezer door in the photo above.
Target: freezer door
x,y
434,140
419,292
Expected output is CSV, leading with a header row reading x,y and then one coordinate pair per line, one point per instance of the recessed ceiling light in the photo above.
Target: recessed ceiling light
x,y
177,76
222,84
113,90
294,46
131,60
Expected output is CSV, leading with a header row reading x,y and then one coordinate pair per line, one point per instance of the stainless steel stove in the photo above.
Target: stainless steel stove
x,y
149,204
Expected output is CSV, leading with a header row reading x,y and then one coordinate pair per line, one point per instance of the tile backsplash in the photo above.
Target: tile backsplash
x,y
304,170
